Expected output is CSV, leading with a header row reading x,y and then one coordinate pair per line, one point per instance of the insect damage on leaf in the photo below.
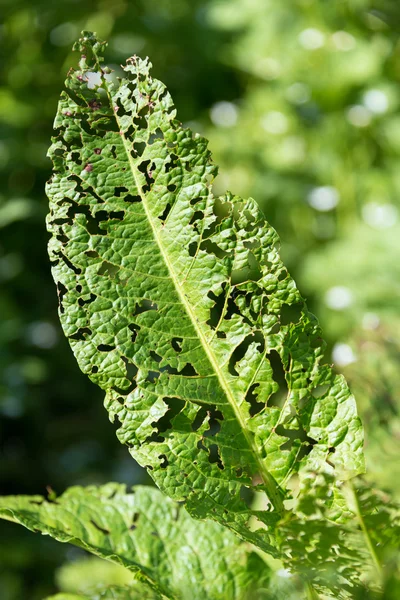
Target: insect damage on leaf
x,y
153,537
178,305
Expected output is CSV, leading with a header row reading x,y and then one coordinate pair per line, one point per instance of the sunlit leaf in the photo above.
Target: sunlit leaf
x,y
152,536
178,305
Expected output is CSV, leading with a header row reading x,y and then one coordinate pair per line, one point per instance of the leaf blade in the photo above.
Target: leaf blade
x,y
147,533
178,304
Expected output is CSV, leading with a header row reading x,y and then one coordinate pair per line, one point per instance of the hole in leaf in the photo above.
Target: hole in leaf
x,y
175,406
69,264
152,376
214,456
108,269
192,249
214,421
140,120
252,398
199,419
157,135
212,248
120,190
61,291
176,344
166,212
144,306
164,464
105,348
188,371
291,313
139,148
246,495
320,390
172,163
239,352
132,199
131,369
134,329
81,334
147,171
91,299
296,437
278,398
217,308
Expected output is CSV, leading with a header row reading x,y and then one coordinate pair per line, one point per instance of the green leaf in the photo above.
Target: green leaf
x,y
178,305
81,576
150,535
136,591
343,539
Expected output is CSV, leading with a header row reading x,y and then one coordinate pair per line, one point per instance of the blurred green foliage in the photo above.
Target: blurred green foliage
x,y
301,103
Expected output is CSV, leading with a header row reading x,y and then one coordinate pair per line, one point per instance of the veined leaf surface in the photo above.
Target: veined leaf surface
x,y
178,305
178,557
351,540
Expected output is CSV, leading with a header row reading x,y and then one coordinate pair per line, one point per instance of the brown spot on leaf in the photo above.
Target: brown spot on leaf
x,y
95,104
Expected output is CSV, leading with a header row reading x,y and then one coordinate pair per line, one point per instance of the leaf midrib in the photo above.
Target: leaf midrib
x,y
269,482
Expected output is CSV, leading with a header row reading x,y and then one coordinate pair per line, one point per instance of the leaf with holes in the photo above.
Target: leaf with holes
x,y
351,534
178,305
149,534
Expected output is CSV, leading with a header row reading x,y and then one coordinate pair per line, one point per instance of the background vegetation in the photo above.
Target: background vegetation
x,y
301,103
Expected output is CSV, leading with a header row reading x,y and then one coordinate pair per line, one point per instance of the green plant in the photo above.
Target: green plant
x,y
178,305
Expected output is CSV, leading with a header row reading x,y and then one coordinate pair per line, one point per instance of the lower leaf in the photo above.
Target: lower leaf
x,y
151,535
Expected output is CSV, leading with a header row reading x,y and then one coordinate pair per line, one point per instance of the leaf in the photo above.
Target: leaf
x,y
137,591
348,553
178,305
88,573
150,535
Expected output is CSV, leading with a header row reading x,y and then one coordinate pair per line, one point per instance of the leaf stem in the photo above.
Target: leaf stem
x,y
311,593
360,518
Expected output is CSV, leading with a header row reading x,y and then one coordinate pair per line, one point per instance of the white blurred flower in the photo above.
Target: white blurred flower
x,y
311,39
376,101
268,67
323,198
293,149
359,116
339,297
344,41
285,573
42,334
370,321
380,216
275,122
64,34
224,114
298,93
343,355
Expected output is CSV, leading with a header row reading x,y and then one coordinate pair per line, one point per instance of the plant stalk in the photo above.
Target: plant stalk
x,y
360,518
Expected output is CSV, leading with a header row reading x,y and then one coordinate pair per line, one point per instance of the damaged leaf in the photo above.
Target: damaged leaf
x,y
178,305
174,556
